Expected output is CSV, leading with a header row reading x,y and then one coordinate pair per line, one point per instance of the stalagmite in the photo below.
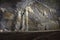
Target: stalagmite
x,y
18,24
26,20
23,21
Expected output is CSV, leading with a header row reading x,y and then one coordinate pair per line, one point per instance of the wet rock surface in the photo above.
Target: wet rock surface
x,y
29,15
